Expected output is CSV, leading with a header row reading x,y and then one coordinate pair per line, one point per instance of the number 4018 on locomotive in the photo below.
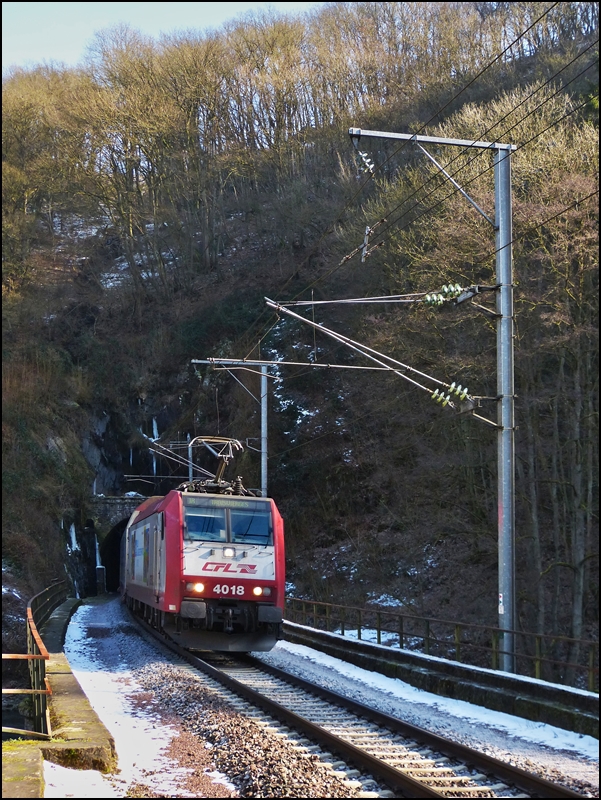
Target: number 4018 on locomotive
x,y
205,564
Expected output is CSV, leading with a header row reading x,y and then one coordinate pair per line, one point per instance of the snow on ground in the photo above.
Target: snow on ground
x,y
369,636
63,782
535,746
102,663
396,692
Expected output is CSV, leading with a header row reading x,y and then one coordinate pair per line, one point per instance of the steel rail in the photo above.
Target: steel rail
x,y
389,775
517,777
396,779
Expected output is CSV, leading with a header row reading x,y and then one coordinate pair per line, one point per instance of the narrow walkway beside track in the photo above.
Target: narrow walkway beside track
x,y
79,738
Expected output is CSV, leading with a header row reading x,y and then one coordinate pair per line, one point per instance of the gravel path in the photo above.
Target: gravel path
x,y
205,738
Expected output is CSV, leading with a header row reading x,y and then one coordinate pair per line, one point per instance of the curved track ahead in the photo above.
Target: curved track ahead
x,y
410,760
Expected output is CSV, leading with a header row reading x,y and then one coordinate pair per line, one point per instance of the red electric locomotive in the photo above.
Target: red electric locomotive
x,y
205,563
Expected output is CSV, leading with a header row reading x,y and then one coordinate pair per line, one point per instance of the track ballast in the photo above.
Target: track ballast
x,y
375,749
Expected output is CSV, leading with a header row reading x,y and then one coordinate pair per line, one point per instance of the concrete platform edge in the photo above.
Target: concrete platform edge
x,y
79,738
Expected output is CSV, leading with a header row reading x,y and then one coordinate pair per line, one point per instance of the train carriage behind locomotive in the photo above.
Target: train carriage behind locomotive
x,y
207,568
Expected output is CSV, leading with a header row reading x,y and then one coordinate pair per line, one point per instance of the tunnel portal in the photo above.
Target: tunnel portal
x,y
112,514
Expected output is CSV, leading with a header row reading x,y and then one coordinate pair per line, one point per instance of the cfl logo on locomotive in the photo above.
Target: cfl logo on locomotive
x,y
218,566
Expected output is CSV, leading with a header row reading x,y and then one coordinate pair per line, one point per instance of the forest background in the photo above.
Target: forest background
x,y
155,195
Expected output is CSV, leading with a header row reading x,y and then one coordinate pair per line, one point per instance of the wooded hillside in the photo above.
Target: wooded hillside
x,y
153,197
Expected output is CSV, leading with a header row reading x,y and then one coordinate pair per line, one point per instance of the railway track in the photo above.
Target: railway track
x,y
366,748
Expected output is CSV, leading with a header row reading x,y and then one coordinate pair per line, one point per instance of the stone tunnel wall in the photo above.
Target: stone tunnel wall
x,y
109,511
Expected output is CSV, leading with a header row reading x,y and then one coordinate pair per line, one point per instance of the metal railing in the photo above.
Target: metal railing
x,y
559,659
39,610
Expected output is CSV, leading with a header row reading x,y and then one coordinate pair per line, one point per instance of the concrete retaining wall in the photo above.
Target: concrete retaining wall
x,y
570,709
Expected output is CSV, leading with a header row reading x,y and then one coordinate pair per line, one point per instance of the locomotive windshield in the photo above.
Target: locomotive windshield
x,y
251,527
205,524
212,520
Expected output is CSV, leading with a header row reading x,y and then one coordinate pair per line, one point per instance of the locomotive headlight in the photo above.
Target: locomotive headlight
x,y
229,552
259,590
195,587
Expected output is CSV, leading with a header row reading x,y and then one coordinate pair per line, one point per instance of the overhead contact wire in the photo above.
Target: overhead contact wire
x,y
492,127
441,201
469,182
438,112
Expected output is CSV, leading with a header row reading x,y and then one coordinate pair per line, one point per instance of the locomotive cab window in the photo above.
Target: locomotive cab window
x,y
251,527
205,524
